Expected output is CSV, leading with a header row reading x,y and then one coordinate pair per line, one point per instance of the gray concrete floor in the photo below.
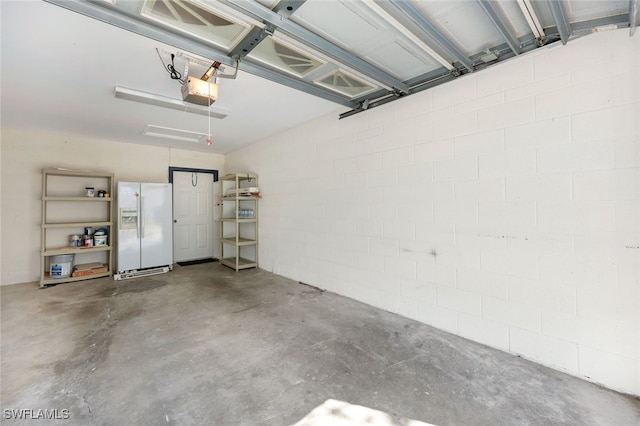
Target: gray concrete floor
x,y
204,345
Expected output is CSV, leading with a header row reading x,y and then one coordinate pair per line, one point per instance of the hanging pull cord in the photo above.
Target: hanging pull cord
x,y
194,179
209,141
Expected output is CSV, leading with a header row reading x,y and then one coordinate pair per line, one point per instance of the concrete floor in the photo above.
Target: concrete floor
x,y
203,345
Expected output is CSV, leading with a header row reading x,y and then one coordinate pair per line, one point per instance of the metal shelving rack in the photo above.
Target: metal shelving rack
x,y
238,235
46,225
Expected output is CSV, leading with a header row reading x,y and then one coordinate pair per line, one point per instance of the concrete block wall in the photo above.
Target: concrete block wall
x,y
502,207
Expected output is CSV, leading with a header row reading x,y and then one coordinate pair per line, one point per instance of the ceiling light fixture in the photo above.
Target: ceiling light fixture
x,y
174,134
166,102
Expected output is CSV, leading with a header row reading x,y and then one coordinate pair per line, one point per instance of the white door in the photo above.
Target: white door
x,y
193,228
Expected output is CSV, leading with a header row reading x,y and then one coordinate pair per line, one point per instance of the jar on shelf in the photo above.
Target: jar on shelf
x,y
90,191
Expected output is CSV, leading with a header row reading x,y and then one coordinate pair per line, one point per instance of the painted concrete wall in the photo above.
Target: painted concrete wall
x,y
25,154
502,207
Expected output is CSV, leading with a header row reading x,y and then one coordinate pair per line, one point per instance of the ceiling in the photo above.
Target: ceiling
x,y
296,60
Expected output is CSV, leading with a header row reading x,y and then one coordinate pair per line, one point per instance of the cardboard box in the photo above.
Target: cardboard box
x,y
85,269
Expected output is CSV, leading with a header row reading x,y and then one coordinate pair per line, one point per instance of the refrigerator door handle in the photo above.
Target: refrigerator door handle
x,y
141,217
138,206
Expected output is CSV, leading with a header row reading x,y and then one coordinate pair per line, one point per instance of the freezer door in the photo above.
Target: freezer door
x,y
128,226
156,225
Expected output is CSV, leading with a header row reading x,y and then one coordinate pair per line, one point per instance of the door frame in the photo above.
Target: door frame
x,y
191,170
212,172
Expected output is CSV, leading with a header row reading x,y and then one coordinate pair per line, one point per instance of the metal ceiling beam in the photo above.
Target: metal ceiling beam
x,y
431,79
112,16
251,41
582,28
634,6
562,21
437,77
412,19
286,8
492,10
316,42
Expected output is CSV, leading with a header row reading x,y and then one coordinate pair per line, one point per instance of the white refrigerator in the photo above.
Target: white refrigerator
x,y
145,230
